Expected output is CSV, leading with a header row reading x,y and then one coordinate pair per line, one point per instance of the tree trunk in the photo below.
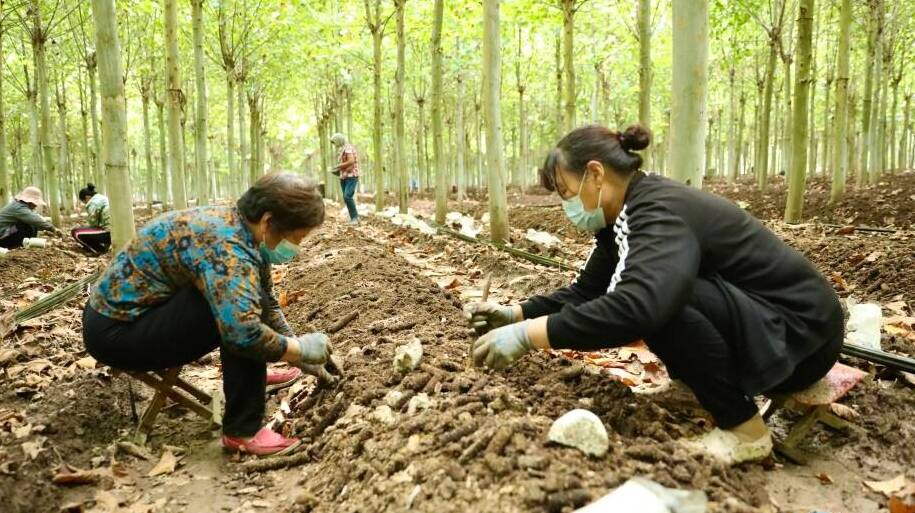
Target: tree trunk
x,y
200,122
492,80
378,125
92,69
891,137
869,64
147,141
799,139
732,127
873,131
253,125
175,101
399,138
826,132
164,176
762,160
735,164
787,120
242,134
4,178
688,91
114,125
645,71
39,38
460,138
902,159
568,62
438,151
66,192
840,123
879,167
35,171
559,110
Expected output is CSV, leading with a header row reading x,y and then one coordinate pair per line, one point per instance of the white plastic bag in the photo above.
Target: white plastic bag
x,y
864,322
646,496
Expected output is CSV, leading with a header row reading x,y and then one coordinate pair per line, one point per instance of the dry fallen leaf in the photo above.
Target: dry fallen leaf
x,y
824,478
888,487
32,449
68,476
166,465
106,501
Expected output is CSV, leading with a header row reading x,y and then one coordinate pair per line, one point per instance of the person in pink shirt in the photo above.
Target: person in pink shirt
x,y
348,171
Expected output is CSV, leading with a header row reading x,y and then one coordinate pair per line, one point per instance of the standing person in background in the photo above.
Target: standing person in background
x,y
18,219
97,236
348,171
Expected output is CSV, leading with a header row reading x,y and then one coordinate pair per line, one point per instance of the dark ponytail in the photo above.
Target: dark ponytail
x,y
615,150
88,192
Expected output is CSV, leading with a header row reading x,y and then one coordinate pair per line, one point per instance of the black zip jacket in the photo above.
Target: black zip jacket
x,y
641,272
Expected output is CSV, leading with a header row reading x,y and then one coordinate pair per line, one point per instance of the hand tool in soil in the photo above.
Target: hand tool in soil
x,y
486,285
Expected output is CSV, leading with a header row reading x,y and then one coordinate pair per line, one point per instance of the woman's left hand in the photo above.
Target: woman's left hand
x,y
502,346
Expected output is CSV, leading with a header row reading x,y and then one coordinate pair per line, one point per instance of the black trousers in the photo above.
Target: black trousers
x,y
93,239
174,333
14,239
694,346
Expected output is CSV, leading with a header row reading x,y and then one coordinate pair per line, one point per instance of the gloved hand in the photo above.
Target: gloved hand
x,y
486,316
325,378
314,349
502,346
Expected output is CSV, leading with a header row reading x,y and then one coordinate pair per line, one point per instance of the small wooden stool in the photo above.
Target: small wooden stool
x,y
814,403
168,384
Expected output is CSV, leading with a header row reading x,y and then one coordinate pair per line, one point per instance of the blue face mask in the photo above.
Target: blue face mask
x,y
284,252
593,220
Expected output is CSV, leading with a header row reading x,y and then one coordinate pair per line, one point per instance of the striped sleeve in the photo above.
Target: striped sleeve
x,y
657,262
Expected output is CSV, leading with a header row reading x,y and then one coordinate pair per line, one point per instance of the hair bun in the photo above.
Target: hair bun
x,y
635,138
90,187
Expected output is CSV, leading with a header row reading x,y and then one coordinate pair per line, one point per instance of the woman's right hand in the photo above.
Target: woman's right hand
x,y
487,316
313,349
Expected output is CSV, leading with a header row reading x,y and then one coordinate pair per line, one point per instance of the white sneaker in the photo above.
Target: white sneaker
x,y
726,447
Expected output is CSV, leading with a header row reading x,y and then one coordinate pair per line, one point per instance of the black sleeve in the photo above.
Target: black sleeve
x,y
653,279
591,282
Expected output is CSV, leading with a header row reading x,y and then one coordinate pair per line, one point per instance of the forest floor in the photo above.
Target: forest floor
x,y
447,436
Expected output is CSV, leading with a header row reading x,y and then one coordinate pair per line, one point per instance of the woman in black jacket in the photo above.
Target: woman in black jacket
x,y
731,310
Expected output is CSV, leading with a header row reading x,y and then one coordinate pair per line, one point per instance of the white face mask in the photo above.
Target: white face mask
x,y
587,220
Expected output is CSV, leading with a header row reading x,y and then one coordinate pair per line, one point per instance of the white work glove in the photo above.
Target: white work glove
x,y
502,346
486,316
314,349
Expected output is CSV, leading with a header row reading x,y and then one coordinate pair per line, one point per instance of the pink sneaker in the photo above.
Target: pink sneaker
x,y
281,378
264,443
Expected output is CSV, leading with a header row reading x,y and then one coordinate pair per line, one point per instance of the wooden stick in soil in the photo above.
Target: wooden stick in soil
x,y
486,284
343,322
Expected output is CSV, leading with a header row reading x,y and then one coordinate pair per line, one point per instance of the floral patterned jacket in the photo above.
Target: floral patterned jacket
x,y
209,248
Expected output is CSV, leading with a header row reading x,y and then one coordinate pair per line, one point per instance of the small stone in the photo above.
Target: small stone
x,y
414,443
418,402
307,499
407,356
385,415
354,352
393,397
532,461
582,430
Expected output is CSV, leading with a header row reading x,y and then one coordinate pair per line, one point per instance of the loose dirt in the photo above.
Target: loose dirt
x,y
481,443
